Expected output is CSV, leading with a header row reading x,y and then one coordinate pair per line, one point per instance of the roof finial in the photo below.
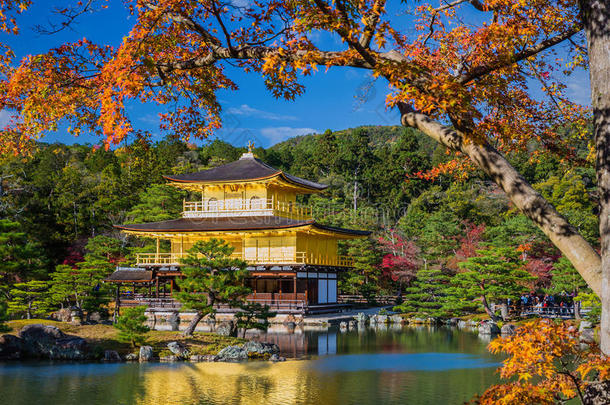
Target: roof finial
x,y
249,154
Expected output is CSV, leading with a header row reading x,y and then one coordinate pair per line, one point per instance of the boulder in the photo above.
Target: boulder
x,y
362,317
169,359
461,324
276,358
452,321
76,316
489,328
11,347
179,350
38,339
69,348
63,315
202,358
95,317
131,357
396,319
146,353
174,320
225,329
508,329
343,326
352,324
254,348
586,332
382,319
232,353
111,356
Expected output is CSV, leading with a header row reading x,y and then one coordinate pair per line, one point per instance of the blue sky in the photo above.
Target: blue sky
x,y
331,100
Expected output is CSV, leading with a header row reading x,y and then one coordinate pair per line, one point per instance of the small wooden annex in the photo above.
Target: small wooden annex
x,y
293,260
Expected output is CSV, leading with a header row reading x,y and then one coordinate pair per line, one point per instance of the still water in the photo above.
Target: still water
x,y
399,366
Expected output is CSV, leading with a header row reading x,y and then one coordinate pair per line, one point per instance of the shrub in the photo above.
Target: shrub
x,y
131,326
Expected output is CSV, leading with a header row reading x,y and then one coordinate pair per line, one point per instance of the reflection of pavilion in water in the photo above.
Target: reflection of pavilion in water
x,y
295,343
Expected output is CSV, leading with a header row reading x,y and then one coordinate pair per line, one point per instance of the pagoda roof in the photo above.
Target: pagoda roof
x,y
233,224
130,275
247,168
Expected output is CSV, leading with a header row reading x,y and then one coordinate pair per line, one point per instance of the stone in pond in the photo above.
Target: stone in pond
x,y
146,353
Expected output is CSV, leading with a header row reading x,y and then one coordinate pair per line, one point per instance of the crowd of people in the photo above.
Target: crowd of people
x,y
562,303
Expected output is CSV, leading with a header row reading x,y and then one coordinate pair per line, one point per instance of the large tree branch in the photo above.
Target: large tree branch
x,y
574,247
482,70
371,21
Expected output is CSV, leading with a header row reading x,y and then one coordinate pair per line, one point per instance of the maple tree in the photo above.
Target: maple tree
x,y
545,364
401,261
464,85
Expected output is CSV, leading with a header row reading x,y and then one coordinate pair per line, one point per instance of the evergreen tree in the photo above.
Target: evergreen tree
x,y
362,278
3,315
159,202
20,257
566,279
426,294
211,277
29,298
495,274
131,326
253,315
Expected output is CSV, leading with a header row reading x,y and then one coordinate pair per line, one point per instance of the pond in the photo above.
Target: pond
x,y
326,366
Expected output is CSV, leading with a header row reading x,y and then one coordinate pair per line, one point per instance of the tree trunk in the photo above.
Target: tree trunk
x,y
577,310
596,16
504,311
573,246
191,328
488,310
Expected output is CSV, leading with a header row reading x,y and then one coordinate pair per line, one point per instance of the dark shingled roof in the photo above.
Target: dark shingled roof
x,y
231,224
246,168
131,275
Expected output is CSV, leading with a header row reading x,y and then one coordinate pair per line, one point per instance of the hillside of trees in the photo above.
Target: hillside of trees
x,y
431,238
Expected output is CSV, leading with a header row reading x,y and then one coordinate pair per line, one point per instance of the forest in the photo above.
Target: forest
x,y
445,243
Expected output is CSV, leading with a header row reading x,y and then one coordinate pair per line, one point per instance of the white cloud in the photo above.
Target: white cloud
x,y
246,111
579,90
279,134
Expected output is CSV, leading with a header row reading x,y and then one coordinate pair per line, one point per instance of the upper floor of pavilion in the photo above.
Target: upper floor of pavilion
x,y
247,187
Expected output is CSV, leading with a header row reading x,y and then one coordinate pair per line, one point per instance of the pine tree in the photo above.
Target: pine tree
x,y
253,315
29,298
131,326
20,257
211,277
3,315
566,279
425,295
495,274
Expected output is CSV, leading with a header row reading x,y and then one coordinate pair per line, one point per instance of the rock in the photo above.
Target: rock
x,y
471,323
11,347
276,358
131,357
169,359
452,321
225,329
69,348
419,321
202,358
111,356
489,328
174,320
597,393
352,324
63,315
256,349
146,353
431,321
179,350
373,319
396,319
76,316
39,339
382,319
95,317
232,353
508,329
461,324
343,326
362,317
586,332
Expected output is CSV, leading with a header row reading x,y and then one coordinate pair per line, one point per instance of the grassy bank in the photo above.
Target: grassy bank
x,y
105,337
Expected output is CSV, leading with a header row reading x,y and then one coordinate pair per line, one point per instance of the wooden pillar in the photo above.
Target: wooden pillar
x,y
295,286
157,257
279,281
157,286
117,303
171,287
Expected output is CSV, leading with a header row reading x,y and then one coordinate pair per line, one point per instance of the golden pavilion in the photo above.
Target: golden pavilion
x,y
292,259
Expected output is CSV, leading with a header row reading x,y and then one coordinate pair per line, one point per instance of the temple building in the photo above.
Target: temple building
x,y
293,260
